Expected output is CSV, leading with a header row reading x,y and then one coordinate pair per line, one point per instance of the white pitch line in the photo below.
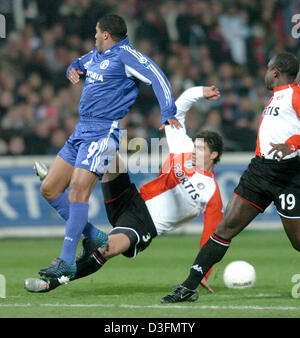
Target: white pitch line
x,y
212,307
230,295
156,306
15,305
78,305
259,295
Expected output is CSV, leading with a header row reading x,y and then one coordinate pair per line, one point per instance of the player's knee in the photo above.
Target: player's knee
x,y
227,228
77,193
47,191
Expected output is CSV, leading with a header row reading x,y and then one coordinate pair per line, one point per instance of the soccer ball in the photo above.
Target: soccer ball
x,y
239,275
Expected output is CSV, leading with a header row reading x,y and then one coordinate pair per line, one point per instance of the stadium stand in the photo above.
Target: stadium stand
x,y
226,43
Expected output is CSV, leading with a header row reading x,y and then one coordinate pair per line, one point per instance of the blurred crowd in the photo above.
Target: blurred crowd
x,y
195,42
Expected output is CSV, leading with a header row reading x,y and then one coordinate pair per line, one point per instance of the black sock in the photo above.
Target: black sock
x,y
211,253
93,264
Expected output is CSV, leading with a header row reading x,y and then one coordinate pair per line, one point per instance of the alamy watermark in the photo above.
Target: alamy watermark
x,y
2,286
296,28
296,287
157,159
2,27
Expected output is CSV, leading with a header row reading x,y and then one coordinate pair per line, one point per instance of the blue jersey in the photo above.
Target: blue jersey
x,y
112,83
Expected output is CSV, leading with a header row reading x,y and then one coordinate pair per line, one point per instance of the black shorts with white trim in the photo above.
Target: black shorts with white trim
x,y
128,213
266,181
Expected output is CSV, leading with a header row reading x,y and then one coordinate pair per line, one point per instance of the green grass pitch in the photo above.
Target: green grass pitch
x,y
132,288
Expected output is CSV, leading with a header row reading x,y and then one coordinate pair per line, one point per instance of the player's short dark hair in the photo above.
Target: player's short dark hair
x,y
287,63
214,142
114,25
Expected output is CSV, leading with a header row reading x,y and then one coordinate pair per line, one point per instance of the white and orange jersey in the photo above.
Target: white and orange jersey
x,y
181,193
280,122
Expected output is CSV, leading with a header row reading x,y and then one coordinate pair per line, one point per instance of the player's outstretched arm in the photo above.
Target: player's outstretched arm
x,y
174,123
211,93
74,75
78,67
141,67
178,140
280,150
192,95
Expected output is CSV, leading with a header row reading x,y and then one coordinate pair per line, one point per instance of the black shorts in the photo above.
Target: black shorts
x,y
267,181
128,213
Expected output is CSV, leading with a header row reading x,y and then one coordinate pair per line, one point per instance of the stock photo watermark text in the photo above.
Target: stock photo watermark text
x,y
2,286
2,27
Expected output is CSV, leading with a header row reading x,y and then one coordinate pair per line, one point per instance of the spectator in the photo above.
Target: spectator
x,y
213,122
225,43
57,140
16,146
235,31
3,147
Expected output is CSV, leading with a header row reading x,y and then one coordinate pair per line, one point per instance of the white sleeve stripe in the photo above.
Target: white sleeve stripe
x,y
140,56
132,72
162,82
135,53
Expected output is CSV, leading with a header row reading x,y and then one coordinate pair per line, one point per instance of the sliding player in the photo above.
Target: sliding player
x,y
184,189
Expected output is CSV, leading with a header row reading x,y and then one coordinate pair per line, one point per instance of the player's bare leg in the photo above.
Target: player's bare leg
x,y
57,179
238,215
117,244
81,185
90,245
93,237
292,229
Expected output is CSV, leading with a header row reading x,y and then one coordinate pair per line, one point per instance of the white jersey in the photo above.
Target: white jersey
x,y
280,122
181,193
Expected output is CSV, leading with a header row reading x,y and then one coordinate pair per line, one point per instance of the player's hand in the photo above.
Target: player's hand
x,y
211,93
173,123
206,286
74,75
280,150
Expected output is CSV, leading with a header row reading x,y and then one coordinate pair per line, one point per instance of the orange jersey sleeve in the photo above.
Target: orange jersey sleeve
x,y
296,100
293,142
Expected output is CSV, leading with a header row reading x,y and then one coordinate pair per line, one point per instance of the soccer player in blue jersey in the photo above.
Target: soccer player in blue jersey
x,y
112,72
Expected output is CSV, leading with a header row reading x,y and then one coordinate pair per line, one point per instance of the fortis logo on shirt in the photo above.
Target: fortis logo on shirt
x,y
271,110
179,173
